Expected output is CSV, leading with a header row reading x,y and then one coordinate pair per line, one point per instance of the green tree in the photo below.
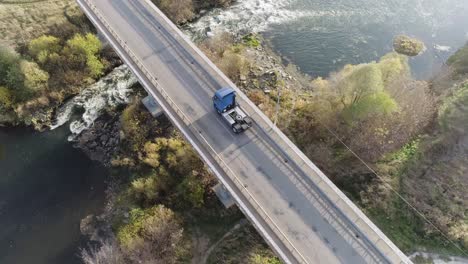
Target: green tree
x,y
8,60
393,67
35,79
44,47
459,60
192,191
82,51
25,79
361,92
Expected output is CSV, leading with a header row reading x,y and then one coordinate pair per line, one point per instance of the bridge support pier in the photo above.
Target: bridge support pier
x,y
152,106
223,195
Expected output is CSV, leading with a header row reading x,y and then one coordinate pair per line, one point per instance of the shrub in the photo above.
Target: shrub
x,y
459,60
407,46
233,65
192,191
35,79
108,253
6,99
132,124
8,60
251,40
179,11
152,236
44,47
83,51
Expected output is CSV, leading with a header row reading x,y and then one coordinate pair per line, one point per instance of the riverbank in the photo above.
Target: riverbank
x,y
46,187
128,139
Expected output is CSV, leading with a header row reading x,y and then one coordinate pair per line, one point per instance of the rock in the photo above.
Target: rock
x,y
88,225
101,141
408,46
104,137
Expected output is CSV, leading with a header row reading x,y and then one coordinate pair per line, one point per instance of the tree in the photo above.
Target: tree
x,y
82,51
153,236
8,60
393,67
35,79
459,60
42,48
192,190
361,92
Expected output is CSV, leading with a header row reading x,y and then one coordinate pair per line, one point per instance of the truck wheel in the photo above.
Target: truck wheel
x,y
248,121
236,128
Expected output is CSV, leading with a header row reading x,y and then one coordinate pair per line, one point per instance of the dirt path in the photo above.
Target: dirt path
x,y
202,249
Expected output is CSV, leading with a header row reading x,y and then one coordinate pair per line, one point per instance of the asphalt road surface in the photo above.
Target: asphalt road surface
x,y
312,224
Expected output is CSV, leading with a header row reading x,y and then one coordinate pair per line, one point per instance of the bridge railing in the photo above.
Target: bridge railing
x,y
329,197
329,192
190,123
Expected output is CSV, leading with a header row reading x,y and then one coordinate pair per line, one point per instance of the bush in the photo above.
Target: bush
x,y
133,122
82,51
179,11
6,99
8,60
459,60
407,46
42,48
153,235
108,253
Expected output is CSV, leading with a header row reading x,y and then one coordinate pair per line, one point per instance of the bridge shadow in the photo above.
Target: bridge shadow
x,y
296,188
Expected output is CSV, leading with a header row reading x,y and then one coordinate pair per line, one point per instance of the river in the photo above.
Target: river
x,y
321,36
46,188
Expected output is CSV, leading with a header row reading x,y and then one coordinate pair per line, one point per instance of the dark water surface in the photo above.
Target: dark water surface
x,y
330,34
46,188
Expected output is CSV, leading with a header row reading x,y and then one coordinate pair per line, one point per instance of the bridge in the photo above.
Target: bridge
x,y
302,215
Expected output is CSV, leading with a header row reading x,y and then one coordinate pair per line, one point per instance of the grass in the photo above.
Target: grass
x,y
21,22
243,246
251,40
405,227
212,219
406,230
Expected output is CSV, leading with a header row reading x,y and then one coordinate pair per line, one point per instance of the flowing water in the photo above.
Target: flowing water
x,y
47,186
321,36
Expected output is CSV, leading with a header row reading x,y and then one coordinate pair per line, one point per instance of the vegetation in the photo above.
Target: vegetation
x,y
229,57
382,114
183,11
154,235
407,46
459,61
243,246
45,71
23,21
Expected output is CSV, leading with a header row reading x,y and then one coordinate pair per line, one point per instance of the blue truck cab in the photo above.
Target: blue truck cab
x,y
224,99
224,102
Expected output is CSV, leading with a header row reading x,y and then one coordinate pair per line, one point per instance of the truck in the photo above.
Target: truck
x,y
224,102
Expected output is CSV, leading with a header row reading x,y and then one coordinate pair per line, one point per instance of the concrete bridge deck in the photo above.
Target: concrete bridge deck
x,y
299,212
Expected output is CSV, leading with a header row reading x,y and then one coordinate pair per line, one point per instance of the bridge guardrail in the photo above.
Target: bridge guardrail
x,y
188,122
324,185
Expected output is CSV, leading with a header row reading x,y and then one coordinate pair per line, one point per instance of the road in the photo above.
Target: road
x,y
304,217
